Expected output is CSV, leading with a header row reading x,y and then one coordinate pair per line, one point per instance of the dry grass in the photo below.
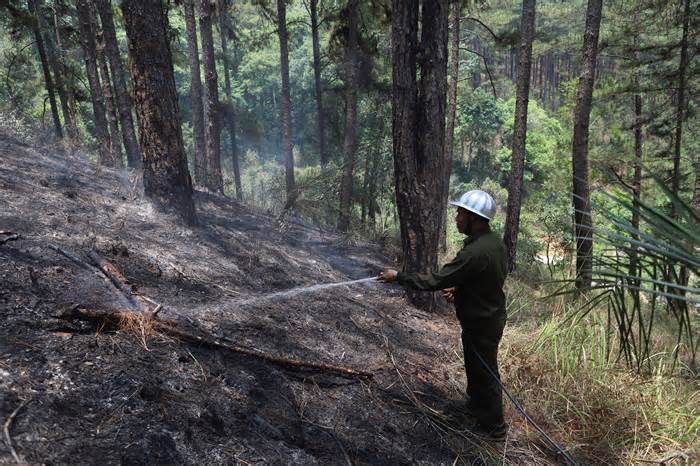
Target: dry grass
x,y
596,408
142,326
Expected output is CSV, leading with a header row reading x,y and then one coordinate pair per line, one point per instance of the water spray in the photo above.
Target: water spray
x,y
304,289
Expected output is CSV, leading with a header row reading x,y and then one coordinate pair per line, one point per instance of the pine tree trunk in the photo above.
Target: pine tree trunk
x,y
313,5
231,112
583,222
637,178
680,107
451,114
165,177
476,77
350,140
58,9
286,107
87,41
116,69
57,71
515,179
214,180
372,188
36,26
365,190
110,109
419,107
200,155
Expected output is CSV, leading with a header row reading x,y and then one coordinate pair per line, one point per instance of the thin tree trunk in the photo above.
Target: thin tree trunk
x,y
87,41
198,140
365,189
583,222
515,179
451,114
680,107
419,106
351,91
476,77
57,70
116,69
58,9
36,26
637,179
286,110
231,112
165,177
214,180
313,4
372,189
112,125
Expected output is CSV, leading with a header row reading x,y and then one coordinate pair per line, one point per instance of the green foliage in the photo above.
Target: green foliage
x,y
546,148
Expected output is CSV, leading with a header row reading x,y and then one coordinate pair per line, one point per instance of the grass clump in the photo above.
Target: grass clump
x,y
566,374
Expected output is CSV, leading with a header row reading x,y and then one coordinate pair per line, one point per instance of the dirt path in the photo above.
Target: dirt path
x,y
97,396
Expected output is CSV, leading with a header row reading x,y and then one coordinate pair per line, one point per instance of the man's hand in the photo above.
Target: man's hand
x,y
449,294
388,275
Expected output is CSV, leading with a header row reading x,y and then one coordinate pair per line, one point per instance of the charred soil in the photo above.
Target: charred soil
x,y
90,393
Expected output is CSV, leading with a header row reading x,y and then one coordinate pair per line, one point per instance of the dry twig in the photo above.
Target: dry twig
x,y
6,430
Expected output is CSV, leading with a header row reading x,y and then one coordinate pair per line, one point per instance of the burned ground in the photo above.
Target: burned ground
x,y
95,395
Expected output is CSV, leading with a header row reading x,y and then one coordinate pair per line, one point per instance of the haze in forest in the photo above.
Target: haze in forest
x,y
212,178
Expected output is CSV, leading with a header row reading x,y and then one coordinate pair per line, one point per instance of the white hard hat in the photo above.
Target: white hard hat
x,y
479,202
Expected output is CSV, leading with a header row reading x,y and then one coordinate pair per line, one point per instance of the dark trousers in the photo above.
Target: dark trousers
x,y
485,398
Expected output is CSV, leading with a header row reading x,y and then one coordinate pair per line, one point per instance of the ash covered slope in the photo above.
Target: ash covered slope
x,y
111,397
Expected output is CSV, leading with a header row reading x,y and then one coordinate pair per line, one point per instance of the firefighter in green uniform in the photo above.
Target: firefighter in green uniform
x,y
474,282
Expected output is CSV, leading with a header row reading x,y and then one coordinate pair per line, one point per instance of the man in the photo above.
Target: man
x,y
474,281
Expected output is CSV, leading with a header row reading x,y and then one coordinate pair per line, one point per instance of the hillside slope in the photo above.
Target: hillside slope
x,y
95,395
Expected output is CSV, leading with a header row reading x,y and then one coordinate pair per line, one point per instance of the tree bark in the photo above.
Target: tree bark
x,y
57,69
313,5
515,179
213,178
50,89
68,108
286,107
583,222
680,107
420,194
165,177
351,92
451,113
110,109
116,69
637,178
198,140
87,41
231,113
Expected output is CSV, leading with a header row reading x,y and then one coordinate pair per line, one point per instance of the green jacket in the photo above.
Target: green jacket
x,y
478,273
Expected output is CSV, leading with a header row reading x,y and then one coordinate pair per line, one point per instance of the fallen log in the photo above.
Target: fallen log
x,y
100,273
116,318
168,327
119,281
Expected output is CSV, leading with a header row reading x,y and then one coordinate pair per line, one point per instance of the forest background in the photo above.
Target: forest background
x,y
318,141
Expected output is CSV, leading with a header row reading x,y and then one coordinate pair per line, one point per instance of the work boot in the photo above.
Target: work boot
x,y
497,432
458,408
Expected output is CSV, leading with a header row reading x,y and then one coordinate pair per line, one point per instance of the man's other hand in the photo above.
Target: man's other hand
x,y
449,294
388,275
